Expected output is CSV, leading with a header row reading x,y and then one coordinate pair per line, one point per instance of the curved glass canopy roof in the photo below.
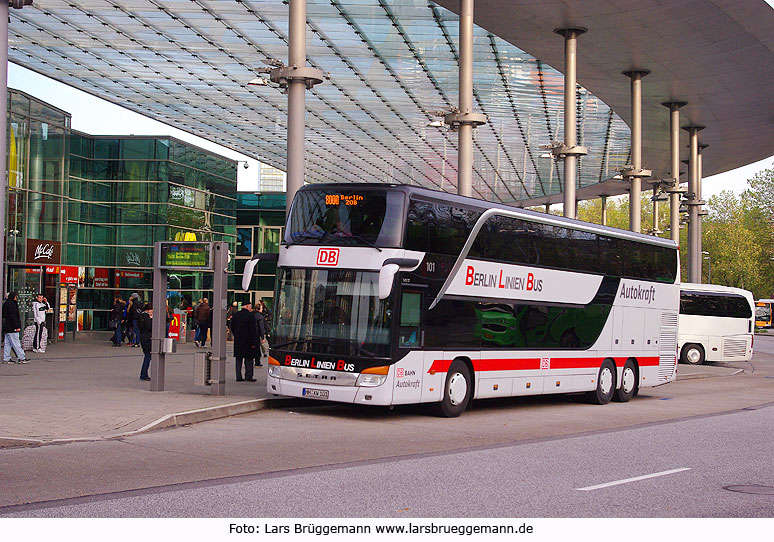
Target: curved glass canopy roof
x,y
391,66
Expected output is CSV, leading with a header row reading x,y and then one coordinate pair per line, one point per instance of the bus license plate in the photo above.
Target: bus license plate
x,y
315,393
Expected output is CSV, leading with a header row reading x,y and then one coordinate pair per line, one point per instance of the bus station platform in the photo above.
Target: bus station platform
x,y
92,391
88,391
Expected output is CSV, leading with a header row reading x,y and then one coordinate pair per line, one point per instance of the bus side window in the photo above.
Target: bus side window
x,y
410,320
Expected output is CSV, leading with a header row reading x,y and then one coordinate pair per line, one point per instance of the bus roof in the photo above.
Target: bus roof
x,y
481,205
715,288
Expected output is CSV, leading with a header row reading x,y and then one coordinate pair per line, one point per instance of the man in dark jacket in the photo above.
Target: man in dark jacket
x,y
146,330
202,313
133,315
11,328
245,341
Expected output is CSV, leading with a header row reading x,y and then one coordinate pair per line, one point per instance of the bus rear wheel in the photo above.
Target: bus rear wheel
x,y
628,383
605,384
456,392
693,354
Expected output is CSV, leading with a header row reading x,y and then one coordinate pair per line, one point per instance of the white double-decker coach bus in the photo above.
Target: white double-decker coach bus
x,y
392,294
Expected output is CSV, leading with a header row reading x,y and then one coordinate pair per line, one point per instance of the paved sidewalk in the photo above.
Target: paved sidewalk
x,y
90,390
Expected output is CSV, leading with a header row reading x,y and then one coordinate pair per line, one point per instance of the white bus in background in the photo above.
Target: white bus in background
x,y
716,323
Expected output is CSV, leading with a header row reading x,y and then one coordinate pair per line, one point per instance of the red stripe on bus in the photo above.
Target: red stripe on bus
x,y
523,364
526,364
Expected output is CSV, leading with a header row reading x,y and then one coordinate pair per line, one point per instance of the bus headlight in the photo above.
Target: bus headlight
x,y
274,367
373,376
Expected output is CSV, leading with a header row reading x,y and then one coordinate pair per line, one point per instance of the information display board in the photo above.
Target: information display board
x,y
185,255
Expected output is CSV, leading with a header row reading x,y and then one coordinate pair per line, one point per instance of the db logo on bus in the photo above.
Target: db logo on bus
x,y
328,256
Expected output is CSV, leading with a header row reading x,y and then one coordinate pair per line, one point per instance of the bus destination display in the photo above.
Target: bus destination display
x,y
345,199
185,256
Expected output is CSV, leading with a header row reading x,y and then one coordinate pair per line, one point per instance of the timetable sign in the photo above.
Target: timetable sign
x,y
185,255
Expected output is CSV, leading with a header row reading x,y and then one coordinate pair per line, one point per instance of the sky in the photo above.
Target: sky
x,y
95,116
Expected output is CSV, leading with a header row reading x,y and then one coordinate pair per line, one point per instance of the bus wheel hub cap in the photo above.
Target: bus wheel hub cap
x,y
693,355
606,381
458,388
628,380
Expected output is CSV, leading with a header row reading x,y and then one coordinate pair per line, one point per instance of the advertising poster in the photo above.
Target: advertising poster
x,y
101,277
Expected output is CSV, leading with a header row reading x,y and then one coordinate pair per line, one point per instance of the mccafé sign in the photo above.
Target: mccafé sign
x,y
40,252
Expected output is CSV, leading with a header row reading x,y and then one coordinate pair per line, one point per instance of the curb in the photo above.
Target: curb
x,y
165,422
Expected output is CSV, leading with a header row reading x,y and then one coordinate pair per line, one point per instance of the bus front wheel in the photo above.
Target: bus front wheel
x,y
692,354
605,384
456,393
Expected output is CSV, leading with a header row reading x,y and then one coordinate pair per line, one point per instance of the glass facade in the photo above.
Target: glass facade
x,y
127,193
107,200
38,149
260,227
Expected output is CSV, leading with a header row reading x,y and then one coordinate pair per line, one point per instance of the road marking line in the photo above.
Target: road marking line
x,y
635,479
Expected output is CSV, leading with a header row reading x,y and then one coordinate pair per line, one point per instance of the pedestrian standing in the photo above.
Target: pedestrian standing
x,y
146,331
232,310
11,328
117,320
133,315
245,342
39,309
202,315
262,329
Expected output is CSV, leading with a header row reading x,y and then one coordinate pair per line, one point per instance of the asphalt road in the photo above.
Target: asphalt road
x,y
524,457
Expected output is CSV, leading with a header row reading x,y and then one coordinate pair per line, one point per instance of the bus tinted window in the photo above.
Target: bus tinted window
x,y
437,228
346,217
714,304
514,240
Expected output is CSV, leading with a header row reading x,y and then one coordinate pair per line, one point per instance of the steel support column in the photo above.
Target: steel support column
x,y
3,136
4,6
693,203
158,324
296,78
604,210
674,191
465,133
296,100
701,211
463,119
635,174
219,302
571,151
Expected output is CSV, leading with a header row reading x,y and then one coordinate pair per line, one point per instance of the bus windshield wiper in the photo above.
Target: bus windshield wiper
x,y
364,240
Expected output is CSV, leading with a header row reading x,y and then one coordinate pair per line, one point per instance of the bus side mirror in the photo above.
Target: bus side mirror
x,y
386,276
388,270
247,274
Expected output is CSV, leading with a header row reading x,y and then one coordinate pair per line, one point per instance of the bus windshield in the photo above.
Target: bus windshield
x,y
763,312
351,217
331,312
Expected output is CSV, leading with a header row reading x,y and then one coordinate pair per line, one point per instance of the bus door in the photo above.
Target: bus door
x,y
412,358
